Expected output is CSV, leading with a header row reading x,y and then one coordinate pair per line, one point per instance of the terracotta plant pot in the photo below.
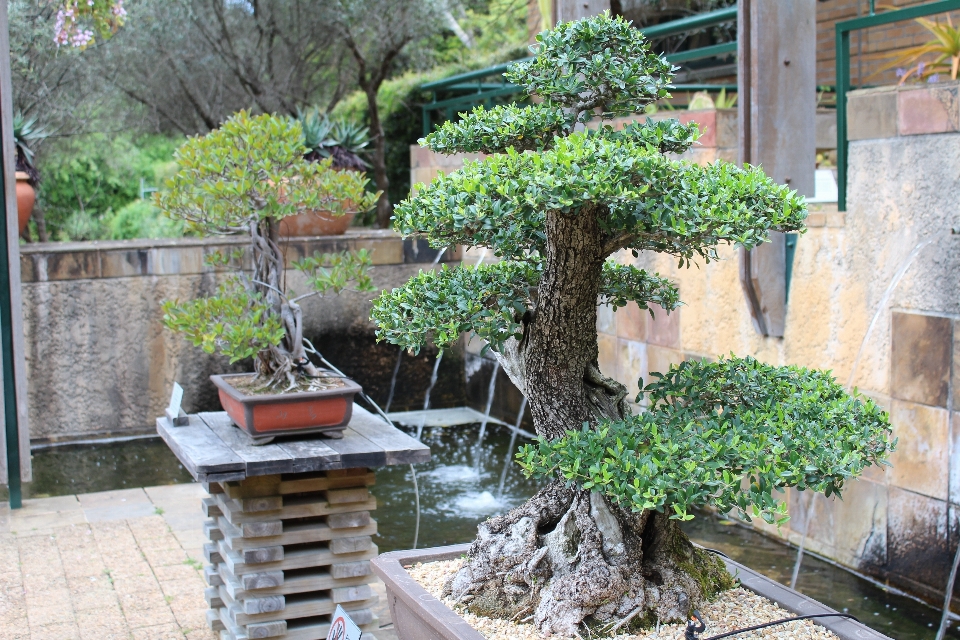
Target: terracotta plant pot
x,y
417,614
269,415
26,197
316,223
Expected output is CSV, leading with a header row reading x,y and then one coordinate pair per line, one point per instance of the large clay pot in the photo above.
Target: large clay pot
x,y
268,415
315,223
26,197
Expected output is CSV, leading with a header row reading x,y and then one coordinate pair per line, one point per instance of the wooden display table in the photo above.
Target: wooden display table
x,y
289,528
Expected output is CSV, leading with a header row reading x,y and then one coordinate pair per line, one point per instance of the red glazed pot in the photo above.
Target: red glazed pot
x,y
268,415
26,197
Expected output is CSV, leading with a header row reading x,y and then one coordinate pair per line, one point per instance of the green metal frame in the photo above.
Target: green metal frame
x,y
843,30
478,88
11,421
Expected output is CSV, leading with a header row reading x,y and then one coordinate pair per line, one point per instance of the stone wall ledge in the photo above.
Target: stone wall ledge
x,y
903,110
54,261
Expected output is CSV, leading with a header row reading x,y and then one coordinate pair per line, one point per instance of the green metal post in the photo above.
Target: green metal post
x,y
6,347
843,83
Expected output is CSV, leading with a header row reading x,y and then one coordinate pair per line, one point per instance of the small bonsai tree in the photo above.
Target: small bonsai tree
x,y
600,545
244,178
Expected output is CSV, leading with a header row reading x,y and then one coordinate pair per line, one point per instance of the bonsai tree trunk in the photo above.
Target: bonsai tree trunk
x,y
569,556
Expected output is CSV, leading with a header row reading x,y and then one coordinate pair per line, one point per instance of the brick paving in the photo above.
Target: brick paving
x,y
113,565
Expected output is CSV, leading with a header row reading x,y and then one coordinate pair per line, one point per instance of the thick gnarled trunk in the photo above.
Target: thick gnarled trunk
x,y
568,557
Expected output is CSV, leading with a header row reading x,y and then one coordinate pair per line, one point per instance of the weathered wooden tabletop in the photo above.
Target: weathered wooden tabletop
x,y
214,450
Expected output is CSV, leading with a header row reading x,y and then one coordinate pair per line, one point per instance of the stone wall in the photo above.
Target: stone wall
x,y
100,362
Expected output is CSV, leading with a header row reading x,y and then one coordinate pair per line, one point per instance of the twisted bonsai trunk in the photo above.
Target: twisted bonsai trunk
x,y
568,557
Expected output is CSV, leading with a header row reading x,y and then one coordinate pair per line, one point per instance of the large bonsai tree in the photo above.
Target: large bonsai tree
x,y
600,545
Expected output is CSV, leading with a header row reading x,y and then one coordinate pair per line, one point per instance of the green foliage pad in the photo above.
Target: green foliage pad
x,y
726,434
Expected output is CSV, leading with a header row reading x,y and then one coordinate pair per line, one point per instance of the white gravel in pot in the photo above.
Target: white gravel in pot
x,y
734,609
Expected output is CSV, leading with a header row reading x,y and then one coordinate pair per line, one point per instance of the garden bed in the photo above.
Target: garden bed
x,y
414,581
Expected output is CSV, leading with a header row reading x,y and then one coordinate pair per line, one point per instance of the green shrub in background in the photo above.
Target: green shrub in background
x,y
90,181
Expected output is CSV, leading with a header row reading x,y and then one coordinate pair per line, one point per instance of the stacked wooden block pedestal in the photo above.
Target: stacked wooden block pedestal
x,y
285,550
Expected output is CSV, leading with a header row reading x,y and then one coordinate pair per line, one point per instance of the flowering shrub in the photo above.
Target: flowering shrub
x,y
79,20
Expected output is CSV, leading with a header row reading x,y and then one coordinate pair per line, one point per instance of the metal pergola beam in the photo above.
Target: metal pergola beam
x,y
15,466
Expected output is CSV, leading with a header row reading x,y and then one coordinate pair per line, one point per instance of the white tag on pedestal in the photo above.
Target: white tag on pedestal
x,y
174,413
343,628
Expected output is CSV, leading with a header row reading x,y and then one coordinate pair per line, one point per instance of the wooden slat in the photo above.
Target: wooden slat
x,y
294,507
260,460
302,606
301,583
298,533
198,448
357,451
305,557
309,455
302,629
319,482
398,447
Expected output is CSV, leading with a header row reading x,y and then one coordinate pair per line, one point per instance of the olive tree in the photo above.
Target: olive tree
x,y
600,545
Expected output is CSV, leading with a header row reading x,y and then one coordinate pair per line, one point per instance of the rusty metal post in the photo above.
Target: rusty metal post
x,y
567,10
777,83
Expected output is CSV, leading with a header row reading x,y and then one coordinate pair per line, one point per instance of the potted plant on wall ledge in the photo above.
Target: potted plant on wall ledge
x,y
341,143
26,135
600,547
245,178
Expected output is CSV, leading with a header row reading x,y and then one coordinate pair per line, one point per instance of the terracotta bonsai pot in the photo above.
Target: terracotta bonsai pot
x,y
269,415
26,197
417,615
316,223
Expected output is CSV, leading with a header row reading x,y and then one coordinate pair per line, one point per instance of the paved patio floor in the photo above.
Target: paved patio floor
x,y
117,564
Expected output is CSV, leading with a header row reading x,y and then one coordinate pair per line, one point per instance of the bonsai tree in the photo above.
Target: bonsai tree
x,y
600,545
244,178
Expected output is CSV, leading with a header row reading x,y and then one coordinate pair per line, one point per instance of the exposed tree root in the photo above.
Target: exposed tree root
x,y
567,558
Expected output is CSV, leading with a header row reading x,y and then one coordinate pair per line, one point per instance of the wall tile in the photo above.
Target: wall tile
x,y
955,458
607,358
920,358
920,462
860,519
927,110
606,321
917,544
632,363
75,265
822,521
632,322
872,114
663,329
659,359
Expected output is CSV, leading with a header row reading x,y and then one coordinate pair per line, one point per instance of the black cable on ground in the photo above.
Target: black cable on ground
x,y
729,634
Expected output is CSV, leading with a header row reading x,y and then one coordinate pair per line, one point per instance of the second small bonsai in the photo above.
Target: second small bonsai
x,y
244,178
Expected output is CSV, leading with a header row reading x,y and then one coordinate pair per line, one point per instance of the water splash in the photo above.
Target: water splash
x,y
453,473
473,504
897,277
426,399
513,440
393,381
440,253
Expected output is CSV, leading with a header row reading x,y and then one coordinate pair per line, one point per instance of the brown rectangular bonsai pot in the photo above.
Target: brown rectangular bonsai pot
x,y
268,415
417,615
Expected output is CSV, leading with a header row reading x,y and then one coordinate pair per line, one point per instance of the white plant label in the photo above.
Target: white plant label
x,y
175,399
343,628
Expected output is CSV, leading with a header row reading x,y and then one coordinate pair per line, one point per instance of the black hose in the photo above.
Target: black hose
x,y
784,621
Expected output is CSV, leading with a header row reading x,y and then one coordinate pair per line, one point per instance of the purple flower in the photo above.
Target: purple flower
x,y
901,72
934,78
920,68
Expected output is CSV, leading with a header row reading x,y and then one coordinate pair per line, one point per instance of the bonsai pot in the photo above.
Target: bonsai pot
x,y
278,414
26,197
315,223
417,615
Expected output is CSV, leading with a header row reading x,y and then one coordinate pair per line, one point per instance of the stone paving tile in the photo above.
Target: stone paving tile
x,y
66,631
104,566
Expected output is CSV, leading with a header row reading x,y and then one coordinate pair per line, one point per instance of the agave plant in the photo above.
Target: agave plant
x,y
340,140
26,134
945,46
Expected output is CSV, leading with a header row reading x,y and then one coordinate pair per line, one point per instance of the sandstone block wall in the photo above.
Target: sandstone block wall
x,y
100,361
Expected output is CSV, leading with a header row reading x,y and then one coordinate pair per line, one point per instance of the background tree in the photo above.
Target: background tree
x,y
375,33
600,545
